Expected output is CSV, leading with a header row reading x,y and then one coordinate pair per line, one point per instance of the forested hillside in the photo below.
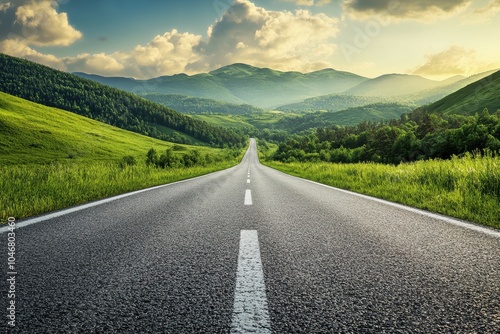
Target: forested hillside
x,y
332,102
54,88
418,135
197,105
433,131
370,113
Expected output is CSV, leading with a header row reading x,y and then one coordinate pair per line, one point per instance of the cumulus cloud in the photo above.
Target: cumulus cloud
x,y
36,23
169,53
94,63
246,33
422,10
18,48
280,39
455,60
28,23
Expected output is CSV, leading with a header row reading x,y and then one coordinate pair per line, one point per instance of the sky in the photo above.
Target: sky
x,y
150,38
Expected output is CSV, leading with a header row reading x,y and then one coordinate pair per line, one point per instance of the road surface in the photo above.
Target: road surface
x,y
250,249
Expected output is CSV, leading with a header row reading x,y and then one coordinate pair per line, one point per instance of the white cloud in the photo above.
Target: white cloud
x,y
283,40
42,25
36,23
96,63
169,53
421,10
18,48
279,39
456,60
27,23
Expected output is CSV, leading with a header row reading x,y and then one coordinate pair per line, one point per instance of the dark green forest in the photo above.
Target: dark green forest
x,y
58,89
415,136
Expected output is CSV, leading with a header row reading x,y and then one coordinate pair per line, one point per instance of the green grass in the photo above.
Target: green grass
x,y
29,190
472,98
33,133
227,121
467,187
51,159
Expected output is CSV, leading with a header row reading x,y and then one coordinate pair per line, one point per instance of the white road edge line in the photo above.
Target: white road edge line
x,y
250,311
450,220
248,197
63,212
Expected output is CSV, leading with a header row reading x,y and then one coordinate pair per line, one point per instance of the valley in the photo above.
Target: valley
x,y
361,120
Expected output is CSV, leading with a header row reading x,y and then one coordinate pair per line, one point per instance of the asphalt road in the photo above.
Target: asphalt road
x,y
276,254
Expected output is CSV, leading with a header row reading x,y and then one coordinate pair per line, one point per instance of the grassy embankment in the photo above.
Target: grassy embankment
x,y
51,159
464,187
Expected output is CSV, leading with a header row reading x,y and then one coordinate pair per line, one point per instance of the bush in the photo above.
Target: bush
x,y
127,161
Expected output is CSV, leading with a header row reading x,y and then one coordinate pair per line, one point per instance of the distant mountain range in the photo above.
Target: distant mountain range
x,y
435,94
241,84
391,85
409,90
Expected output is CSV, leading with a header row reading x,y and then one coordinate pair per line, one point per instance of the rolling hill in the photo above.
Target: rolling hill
x,y
54,88
200,85
471,99
331,103
392,85
403,89
33,133
432,95
352,116
242,84
198,105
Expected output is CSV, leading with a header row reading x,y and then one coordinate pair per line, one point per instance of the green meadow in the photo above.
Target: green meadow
x,y
51,159
466,187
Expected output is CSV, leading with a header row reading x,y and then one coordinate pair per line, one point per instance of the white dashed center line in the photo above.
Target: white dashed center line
x,y
248,197
250,312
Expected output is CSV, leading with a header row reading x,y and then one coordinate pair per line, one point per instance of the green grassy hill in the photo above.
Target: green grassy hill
x,y
228,121
33,133
471,99
128,111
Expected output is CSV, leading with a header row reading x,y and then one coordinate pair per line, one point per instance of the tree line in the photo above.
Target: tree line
x,y
417,135
170,159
